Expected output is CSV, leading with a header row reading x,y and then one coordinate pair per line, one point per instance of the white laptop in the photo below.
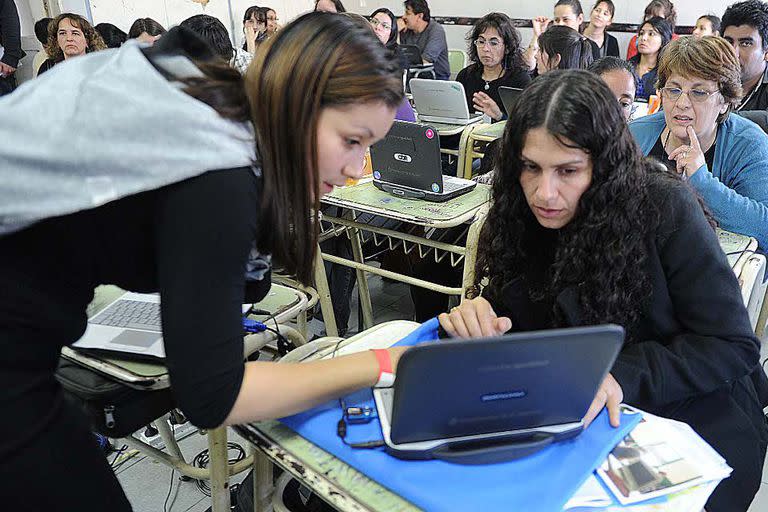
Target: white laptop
x,y
441,101
129,326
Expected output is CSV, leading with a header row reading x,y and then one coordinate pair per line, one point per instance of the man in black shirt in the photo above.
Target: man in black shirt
x,y
10,41
745,26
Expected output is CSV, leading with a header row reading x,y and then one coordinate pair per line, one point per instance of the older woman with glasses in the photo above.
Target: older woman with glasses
x,y
494,50
723,156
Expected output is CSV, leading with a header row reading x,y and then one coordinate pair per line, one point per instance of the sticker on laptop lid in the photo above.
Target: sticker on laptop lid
x,y
435,187
376,175
430,133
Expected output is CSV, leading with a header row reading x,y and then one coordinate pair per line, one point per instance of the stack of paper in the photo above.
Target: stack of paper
x,y
661,465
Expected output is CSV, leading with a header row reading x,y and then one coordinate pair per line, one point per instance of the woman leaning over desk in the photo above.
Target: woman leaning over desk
x,y
206,206
722,155
583,231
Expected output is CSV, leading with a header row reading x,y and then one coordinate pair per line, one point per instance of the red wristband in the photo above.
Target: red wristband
x,y
386,375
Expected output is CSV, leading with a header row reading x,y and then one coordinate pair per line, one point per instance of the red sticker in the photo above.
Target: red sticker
x,y
430,133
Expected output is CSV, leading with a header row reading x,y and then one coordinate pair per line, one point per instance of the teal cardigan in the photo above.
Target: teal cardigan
x,y
736,189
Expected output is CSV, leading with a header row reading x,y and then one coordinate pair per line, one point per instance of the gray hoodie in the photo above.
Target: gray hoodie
x,y
105,126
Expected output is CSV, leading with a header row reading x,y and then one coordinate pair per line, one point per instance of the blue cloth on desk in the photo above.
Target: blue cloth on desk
x,y
541,482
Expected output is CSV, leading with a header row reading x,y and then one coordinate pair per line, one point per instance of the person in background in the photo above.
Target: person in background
x,y
384,24
10,41
563,48
419,29
745,26
723,157
272,23
146,30
582,231
329,6
620,77
70,35
41,32
496,61
661,8
213,32
707,25
253,181
254,24
653,36
600,19
568,13
113,37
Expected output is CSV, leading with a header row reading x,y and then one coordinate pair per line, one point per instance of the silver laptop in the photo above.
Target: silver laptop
x,y
129,326
494,399
442,101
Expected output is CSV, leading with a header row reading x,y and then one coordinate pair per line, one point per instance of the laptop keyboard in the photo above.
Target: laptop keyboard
x,y
131,314
450,185
387,398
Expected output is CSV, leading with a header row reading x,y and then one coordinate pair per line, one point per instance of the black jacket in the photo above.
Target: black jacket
x,y
692,355
10,34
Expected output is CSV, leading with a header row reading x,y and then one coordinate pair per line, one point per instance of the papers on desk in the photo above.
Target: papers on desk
x,y
661,465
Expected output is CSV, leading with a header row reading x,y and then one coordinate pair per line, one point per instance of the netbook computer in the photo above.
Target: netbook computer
x,y
494,399
406,163
441,101
128,327
509,96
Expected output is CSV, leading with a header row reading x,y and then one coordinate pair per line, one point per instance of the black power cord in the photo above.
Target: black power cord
x,y
203,458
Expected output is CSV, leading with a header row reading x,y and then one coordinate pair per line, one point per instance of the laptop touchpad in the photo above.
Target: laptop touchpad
x,y
138,339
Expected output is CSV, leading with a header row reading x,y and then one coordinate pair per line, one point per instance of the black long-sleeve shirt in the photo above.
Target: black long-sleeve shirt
x,y
190,241
10,34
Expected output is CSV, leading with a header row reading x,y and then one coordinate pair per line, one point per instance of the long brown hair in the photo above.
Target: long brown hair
x,y
94,40
320,60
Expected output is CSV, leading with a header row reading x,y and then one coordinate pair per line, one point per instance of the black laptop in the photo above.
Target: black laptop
x,y
411,55
495,399
509,96
406,163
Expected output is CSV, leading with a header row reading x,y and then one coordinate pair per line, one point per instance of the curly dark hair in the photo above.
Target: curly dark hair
x,y
601,252
93,39
753,13
513,56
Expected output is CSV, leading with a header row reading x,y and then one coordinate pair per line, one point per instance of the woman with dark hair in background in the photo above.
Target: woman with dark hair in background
x,y
653,36
661,8
583,231
254,24
113,37
563,48
329,6
707,25
384,23
272,22
496,61
222,183
567,13
599,21
146,30
70,35
41,32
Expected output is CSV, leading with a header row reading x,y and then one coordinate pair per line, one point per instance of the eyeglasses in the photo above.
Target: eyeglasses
x,y
491,43
695,95
384,24
272,18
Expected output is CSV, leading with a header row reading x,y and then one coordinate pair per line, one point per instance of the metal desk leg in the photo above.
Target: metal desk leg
x,y
263,486
326,306
217,450
362,279
470,256
168,437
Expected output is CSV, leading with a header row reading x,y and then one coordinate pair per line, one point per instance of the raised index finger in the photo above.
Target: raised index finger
x,y
694,139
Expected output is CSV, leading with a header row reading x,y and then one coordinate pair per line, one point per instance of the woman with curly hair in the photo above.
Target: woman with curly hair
x,y
494,50
583,231
70,35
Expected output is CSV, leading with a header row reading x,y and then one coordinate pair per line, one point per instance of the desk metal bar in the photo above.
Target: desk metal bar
x,y
324,292
392,275
217,451
362,280
418,240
